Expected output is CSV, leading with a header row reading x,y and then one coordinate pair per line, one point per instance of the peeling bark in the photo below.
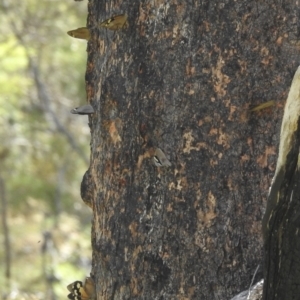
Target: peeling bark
x,y
183,77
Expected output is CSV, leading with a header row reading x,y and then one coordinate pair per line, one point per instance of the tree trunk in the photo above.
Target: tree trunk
x,y
182,78
281,222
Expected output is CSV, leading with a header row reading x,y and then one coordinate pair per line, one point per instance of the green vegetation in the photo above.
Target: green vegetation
x,y
44,150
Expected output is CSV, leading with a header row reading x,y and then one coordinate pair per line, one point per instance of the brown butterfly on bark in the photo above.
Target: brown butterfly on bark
x,y
80,291
80,33
115,22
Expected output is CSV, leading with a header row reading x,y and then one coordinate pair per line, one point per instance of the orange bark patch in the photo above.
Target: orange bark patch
x,y
180,8
169,207
205,217
213,162
213,131
134,286
206,26
233,108
89,91
164,34
181,184
189,68
267,58
223,139
188,143
262,160
101,47
250,144
243,66
114,132
147,154
244,158
279,40
133,229
220,80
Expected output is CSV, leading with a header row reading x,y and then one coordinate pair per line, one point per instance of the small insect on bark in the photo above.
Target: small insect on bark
x,y
80,33
115,22
83,110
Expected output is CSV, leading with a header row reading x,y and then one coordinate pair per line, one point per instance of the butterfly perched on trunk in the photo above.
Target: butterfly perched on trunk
x,y
159,159
115,22
83,110
80,33
80,291
263,105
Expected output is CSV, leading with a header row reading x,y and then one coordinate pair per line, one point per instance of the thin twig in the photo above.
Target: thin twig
x,y
253,277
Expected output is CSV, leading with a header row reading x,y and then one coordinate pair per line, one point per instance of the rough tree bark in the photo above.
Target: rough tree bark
x,y
182,77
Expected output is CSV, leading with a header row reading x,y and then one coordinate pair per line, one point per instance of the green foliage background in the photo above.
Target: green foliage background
x,y
44,150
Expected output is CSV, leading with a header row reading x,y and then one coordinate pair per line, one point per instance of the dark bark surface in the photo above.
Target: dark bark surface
x,y
182,77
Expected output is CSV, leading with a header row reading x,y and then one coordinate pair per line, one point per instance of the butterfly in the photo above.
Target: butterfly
x,y
160,159
80,291
83,110
115,22
80,33
263,105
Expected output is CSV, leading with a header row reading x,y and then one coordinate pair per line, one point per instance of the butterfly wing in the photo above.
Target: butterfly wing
x,y
73,297
263,105
80,33
83,110
89,288
160,159
77,291
80,291
115,22
74,286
